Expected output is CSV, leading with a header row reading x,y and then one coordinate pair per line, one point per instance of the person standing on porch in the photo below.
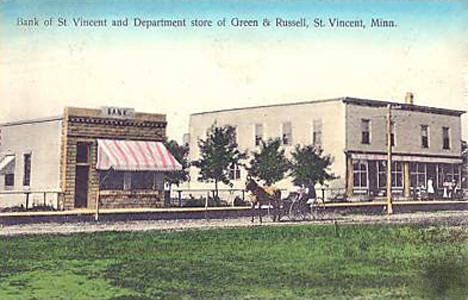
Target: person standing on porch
x,y
430,188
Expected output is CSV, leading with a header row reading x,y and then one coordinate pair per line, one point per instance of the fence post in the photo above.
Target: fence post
x,y
323,195
44,198
243,195
179,193
27,200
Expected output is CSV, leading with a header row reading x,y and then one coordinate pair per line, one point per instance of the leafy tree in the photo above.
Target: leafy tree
x,y
269,164
310,166
180,153
218,153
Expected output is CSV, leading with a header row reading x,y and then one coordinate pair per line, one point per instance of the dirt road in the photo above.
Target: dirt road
x,y
447,217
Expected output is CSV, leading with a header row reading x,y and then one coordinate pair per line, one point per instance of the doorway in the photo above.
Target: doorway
x,y
81,186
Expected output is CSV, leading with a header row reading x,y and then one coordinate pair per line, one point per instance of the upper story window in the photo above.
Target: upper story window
x,y
424,136
234,172
258,134
445,138
392,133
27,170
287,133
365,131
186,139
317,133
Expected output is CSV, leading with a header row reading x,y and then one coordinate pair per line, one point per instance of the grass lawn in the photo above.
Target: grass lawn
x,y
281,262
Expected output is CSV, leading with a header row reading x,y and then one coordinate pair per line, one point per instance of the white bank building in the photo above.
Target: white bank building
x,y
426,141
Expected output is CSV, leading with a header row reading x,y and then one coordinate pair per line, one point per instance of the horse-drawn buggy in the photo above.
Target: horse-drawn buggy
x,y
298,205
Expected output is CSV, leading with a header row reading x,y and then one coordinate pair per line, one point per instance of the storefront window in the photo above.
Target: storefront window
x,y
397,174
382,173
447,173
360,174
418,173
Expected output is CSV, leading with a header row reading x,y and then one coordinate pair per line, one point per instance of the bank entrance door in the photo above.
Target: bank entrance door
x,y
81,186
82,174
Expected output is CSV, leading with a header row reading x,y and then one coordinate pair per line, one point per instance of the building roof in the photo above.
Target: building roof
x,y
32,121
354,101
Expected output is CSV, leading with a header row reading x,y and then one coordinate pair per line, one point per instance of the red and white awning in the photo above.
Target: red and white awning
x,y
397,157
135,156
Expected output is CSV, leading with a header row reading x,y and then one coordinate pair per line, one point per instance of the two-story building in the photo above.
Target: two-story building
x,y
426,140
114,155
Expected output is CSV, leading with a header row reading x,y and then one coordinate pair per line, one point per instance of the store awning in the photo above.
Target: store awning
x,y
135,156
7,164
409,158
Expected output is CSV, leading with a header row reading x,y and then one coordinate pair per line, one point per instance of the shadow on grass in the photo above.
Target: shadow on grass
x,y
445,278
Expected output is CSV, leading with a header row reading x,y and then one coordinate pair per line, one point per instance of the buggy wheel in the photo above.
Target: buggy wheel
x,y
318,213
297,211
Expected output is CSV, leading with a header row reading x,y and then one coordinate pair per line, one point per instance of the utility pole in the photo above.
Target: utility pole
x,y
389,159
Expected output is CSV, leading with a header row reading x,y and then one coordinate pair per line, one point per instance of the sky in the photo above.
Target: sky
x,y
184,70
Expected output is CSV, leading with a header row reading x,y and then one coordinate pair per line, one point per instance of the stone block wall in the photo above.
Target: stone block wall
x,y
131,199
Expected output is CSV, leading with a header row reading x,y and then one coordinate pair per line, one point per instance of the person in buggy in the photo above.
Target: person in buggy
x,y
303,193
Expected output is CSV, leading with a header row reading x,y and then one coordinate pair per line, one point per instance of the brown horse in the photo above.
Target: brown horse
x,y
262,197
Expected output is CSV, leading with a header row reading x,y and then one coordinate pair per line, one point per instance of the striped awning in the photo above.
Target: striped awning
x,y
7,164
135,156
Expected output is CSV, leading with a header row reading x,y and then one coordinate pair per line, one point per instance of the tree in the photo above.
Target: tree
x,y
180,153
310,166
269,164
218,154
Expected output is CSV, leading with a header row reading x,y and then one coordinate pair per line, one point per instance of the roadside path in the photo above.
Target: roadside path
x,y
458,218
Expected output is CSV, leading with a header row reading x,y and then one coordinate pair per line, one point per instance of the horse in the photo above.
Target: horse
x,y
261,197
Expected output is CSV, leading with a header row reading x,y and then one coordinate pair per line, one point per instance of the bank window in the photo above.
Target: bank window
x,y
27,170
360,174
258,134
446,137
418,172
365,131
9,180
424,136
317,133
234,172
142,180
111,180
287,133
82,152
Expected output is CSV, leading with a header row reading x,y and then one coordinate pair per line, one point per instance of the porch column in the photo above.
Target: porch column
x,y
406,179
349,177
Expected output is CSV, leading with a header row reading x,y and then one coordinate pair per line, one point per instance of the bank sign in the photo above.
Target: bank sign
x,y
117,112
